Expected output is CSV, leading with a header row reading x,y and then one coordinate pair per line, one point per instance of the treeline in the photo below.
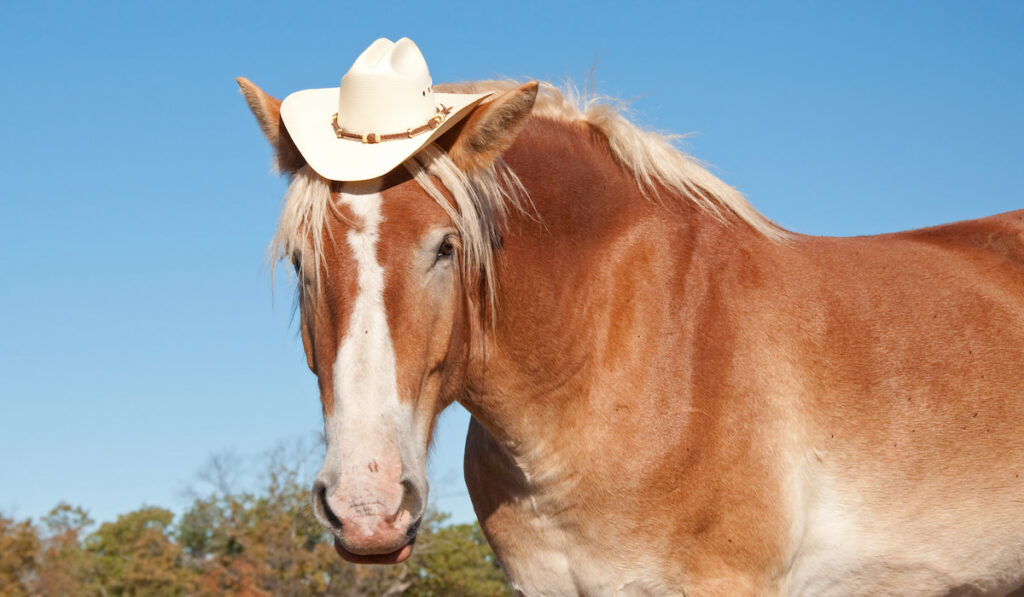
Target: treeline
x,y
242,543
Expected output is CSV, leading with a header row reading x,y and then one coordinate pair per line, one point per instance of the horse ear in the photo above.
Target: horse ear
x,y
267,111
492,127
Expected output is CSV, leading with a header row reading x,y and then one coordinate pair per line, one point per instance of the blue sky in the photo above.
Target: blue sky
x,y
138,329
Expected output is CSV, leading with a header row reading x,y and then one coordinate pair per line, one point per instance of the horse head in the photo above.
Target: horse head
x,y
392,275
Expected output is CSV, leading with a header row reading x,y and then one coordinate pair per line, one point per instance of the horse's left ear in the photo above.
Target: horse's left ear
x,y
267,111
492,127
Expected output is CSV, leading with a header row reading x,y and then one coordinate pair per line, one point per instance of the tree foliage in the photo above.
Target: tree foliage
x,y
65,568
19,545
263,542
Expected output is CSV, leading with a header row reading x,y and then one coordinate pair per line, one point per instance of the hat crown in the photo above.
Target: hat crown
x,y
387,90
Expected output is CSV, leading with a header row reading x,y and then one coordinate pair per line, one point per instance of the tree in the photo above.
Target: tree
x,y
19,546
136,556
65,568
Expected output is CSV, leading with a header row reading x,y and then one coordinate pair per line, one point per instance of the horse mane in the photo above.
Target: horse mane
x,y
650,156
483,199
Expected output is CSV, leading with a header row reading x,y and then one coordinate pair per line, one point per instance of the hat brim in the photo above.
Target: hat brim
x,y
307,116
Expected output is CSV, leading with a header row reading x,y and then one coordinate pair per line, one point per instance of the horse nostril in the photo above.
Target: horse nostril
x,y
410,533
412,499
322,508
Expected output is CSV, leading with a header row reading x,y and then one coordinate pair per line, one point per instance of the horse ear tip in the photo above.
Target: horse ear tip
x,y
526,93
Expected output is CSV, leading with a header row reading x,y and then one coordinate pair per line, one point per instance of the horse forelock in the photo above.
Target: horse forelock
x,y
477,203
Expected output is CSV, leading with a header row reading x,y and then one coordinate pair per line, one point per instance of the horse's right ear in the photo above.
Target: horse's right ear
x,y
267,111
491,128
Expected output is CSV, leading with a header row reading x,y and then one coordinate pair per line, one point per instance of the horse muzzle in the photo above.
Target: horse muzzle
x,y
377,528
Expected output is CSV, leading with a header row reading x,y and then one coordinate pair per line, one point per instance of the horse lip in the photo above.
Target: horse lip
x,y
393,557
399,555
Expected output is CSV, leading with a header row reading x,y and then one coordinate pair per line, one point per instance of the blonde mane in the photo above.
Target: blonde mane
x,y
484,199
650,156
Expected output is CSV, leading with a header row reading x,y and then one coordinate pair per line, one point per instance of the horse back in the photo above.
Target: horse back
x,y
999,237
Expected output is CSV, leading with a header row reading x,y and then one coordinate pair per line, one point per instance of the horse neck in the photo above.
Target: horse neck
x,y
573,279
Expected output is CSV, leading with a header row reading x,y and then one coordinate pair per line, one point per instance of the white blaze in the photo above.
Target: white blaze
x,y
369,431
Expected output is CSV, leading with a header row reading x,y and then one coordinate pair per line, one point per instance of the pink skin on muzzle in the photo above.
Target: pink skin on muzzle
x,y
368,511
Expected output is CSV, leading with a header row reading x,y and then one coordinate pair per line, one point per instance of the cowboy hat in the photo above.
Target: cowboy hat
x,y
384,111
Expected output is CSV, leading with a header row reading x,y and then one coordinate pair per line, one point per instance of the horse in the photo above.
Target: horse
x,y
670,394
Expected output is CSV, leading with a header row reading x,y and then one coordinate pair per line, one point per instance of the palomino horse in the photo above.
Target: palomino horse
x,y
670,394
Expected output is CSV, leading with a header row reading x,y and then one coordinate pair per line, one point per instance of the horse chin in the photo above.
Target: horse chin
x,y
395,557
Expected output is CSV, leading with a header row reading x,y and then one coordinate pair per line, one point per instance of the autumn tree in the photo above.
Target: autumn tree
x,y
136,555
65,568
19,549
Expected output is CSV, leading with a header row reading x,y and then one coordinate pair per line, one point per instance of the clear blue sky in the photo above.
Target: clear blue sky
x,y
138,334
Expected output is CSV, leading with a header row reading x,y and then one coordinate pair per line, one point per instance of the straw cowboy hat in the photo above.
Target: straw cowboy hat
x,y
384,111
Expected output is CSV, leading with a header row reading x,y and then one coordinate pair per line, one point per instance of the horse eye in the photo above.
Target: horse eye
x,y
446,249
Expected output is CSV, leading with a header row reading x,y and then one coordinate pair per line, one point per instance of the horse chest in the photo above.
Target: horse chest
x,y
541,557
